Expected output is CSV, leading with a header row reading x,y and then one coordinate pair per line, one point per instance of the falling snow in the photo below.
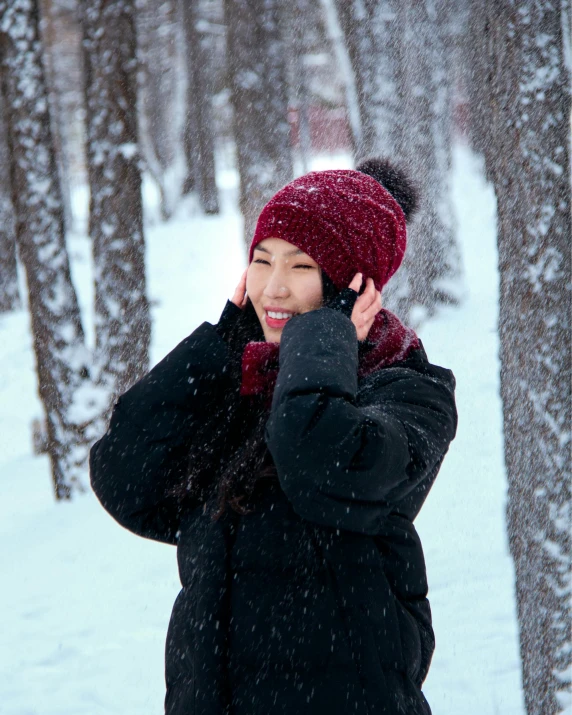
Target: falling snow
x,y
104,651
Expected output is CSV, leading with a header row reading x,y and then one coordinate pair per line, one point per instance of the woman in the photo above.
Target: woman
x,y
286,452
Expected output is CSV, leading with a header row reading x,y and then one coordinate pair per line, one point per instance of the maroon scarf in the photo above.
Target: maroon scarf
x,y
388,342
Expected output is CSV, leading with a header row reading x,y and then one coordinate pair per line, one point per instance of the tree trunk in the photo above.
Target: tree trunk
x,y
257,70
157,53
340,48
52,45
478,75
9,293
36,195
530,165
199,128
431,272
297,16
116,227
372,38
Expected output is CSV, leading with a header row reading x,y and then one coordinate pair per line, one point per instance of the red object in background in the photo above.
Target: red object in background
x,y
329,129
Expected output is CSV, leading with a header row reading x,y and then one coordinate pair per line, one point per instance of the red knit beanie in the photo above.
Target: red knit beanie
x,y
345,220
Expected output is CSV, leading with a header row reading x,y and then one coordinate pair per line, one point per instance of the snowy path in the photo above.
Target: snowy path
x,y
86,604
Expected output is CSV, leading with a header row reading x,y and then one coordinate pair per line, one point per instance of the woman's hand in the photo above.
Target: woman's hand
x,y
240,298
366,307
232,310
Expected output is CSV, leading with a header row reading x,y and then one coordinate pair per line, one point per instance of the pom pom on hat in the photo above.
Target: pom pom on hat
x,y
347,221
395,180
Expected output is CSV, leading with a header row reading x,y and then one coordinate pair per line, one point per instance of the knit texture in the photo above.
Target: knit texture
x,y
343,219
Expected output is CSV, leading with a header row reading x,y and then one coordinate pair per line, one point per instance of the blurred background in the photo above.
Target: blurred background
x,y
139,139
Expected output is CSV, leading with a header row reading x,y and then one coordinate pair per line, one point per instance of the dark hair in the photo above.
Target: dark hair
x,y
242,421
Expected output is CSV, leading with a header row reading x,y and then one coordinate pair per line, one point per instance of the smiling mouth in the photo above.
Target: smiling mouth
x,y
277,318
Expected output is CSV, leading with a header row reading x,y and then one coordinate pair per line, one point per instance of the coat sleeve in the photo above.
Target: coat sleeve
x,y
147,447
344,458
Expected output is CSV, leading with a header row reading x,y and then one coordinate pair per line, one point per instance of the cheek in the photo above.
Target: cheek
x,y
252,284
312,292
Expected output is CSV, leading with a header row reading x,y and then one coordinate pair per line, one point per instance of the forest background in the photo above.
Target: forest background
x,y
112,96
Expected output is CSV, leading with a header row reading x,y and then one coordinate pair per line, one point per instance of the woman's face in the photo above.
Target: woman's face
x,y
282,281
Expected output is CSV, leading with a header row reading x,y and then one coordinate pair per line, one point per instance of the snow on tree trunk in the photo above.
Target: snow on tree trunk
x,y
256,59
199,128
9,294
158,57
431,272
61,357
122,318
530,104
371,34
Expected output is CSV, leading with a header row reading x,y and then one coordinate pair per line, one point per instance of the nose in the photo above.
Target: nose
x,y
277,285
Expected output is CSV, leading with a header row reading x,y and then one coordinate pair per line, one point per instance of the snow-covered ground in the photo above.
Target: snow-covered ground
x,y
85,604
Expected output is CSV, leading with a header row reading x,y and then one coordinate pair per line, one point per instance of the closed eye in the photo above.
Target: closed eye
x,y
298,265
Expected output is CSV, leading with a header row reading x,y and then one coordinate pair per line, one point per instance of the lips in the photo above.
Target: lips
x,y
277,319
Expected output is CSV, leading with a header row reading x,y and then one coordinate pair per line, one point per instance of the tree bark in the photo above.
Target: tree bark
x,y
9,292
340,49
530,104
52,49
199,141
372,38
257,71
479,79
122,317
297,16
157,53
60,353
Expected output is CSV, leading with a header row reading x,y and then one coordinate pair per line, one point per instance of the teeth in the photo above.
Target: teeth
x,y
279,316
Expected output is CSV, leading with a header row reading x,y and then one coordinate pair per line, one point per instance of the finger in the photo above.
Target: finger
x,y
356,282
239,294
367,297
370,288
373,309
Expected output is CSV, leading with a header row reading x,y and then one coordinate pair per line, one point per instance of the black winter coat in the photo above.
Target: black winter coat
x,y
316,602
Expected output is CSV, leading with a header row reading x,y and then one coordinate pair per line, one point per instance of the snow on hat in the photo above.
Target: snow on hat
x,y
346,220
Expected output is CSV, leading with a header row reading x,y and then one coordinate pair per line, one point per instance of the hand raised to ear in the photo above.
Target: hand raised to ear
x,y
232,310
240,298
366,307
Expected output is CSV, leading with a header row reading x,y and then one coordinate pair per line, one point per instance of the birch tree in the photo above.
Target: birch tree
x,y
529,94
58,340
122,318
256,59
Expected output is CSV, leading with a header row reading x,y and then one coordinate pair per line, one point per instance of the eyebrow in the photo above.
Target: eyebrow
x,y
295,252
